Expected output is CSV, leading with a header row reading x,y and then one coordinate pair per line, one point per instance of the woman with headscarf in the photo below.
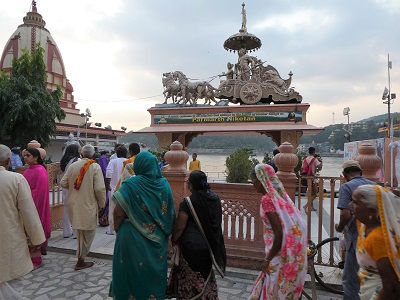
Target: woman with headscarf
x,y
143,219
201,243
378,244
70,156
38,181
284,267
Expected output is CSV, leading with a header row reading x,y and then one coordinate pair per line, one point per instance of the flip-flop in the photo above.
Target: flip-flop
x,y
85,265
37,267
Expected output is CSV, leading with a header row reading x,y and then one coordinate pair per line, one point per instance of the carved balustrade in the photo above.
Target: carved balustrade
x,y
242,225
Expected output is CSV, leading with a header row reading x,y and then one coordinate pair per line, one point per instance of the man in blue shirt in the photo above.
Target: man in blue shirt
x,y
15,159
271,162
163,163
352,173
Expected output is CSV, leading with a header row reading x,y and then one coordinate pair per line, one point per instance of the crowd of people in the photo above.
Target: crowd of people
x,y
129,194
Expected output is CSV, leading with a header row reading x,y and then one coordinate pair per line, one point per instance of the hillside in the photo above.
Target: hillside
x,y
364,129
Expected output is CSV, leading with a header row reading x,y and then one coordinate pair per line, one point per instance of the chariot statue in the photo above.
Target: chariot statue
x,y
248,81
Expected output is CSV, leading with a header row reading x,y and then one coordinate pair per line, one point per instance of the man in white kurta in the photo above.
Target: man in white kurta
x,y
17,215
113,173
84,202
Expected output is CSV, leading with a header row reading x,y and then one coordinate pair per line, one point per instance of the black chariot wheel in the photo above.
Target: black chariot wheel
x,y
328,265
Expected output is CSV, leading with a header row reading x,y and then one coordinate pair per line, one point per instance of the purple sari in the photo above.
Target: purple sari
x,y
103,212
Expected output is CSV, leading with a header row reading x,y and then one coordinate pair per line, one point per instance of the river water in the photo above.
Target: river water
x,y
214,165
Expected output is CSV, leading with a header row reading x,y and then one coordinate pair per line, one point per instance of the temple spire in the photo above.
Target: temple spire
x,y
33,18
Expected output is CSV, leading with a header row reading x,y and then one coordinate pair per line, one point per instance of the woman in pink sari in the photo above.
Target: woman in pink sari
x,y
38,180
285,264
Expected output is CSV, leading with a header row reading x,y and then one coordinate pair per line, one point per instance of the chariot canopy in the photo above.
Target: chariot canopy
x,y
243,39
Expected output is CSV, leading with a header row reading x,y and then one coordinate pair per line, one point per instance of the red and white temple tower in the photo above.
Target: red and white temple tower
x,y
26,36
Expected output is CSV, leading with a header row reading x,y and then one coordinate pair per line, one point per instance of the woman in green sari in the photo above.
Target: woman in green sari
x,y
143,219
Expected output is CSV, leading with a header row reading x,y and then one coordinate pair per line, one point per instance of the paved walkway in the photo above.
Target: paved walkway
x,y
57,280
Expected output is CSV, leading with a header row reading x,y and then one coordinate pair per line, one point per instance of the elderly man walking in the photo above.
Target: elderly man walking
x,y
353,174
18,215
87,193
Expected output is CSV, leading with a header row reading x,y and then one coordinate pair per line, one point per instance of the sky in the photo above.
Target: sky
x,y
115,52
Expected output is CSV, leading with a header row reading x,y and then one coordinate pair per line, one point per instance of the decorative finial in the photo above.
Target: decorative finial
x,y
34,6
243,29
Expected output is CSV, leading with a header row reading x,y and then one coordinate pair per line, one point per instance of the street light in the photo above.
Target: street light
x,y
87,115
388,97
346,112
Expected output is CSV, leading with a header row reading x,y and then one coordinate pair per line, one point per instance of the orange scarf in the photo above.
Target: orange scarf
x,y
85,167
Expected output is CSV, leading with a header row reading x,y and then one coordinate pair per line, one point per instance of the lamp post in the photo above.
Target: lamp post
x,y
87,115
346,112
388,97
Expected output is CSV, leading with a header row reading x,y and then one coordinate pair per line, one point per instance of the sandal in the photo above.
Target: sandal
x,y
84,265
37,267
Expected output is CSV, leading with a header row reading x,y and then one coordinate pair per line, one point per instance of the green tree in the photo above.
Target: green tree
x,y
239,165
28,110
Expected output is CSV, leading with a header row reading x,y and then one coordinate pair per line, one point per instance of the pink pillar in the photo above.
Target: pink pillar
x,y
286,161
369,161
177,173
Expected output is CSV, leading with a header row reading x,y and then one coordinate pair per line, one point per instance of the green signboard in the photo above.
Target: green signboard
x,y
276,116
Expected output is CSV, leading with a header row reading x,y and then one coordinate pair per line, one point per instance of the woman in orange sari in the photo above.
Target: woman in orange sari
x,y
378,244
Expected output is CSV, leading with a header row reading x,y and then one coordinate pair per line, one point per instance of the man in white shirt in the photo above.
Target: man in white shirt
x,y
113,173
114,155
18,214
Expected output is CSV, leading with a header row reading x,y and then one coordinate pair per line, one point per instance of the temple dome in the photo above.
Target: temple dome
x,y
26,36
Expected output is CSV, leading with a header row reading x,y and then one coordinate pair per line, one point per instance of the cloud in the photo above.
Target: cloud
x,y
115,52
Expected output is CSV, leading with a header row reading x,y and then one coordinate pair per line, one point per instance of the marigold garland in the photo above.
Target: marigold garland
x,y
85,167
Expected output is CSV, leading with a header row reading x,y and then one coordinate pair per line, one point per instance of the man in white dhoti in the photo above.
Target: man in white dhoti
x,y
113,173
18,215
86,194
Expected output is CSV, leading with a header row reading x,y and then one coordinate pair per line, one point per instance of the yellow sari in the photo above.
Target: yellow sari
x,y
383,241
